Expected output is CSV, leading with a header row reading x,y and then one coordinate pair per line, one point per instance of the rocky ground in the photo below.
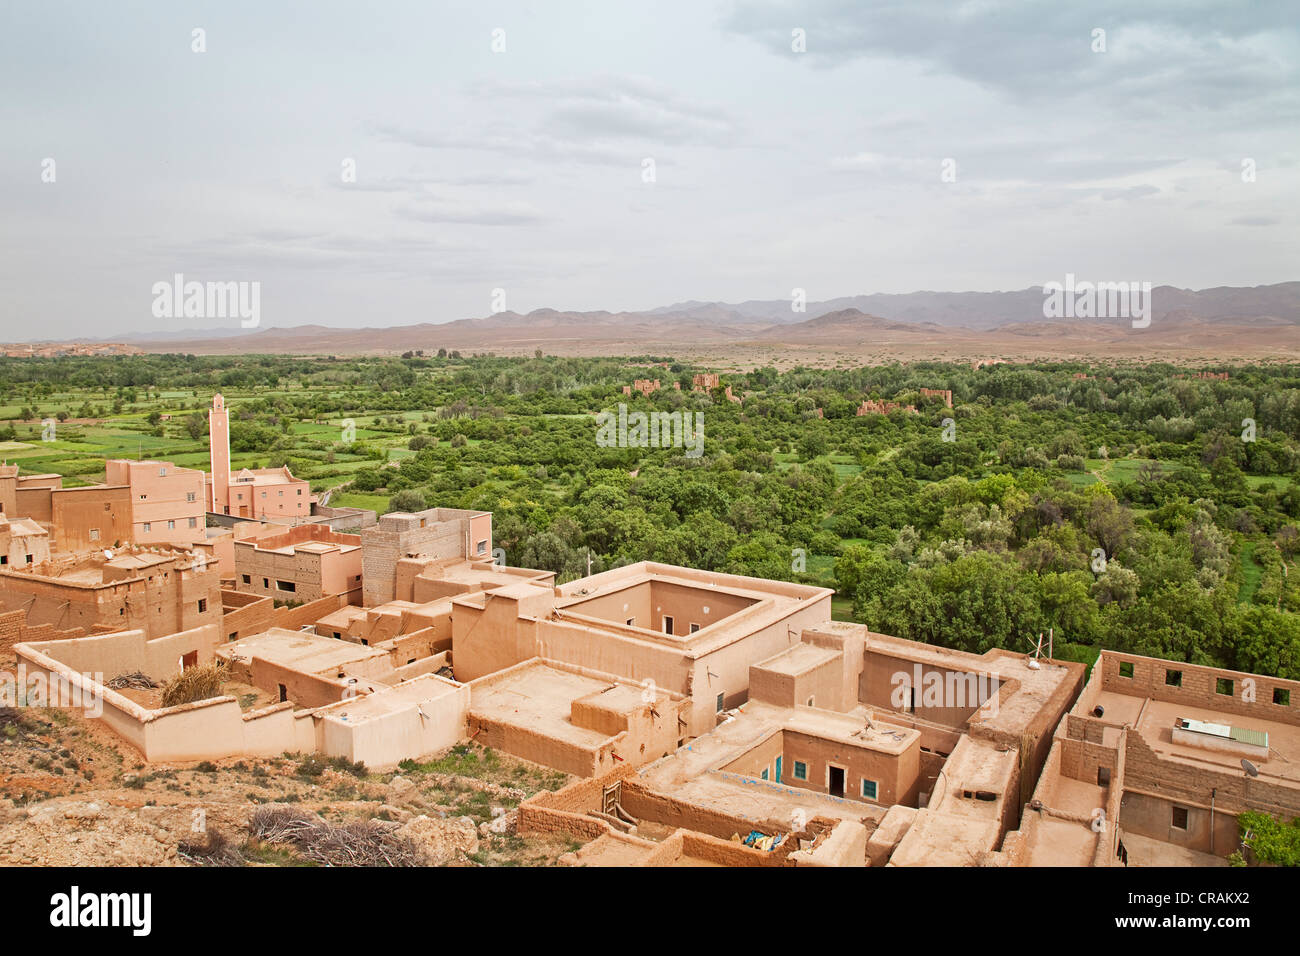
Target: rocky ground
x,y
72,793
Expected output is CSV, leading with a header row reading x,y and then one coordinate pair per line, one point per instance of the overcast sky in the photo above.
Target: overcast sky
x,y
525,169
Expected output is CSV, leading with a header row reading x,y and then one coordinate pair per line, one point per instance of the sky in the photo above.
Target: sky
x,y
385,163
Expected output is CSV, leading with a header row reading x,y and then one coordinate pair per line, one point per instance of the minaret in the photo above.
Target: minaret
x,y
219,453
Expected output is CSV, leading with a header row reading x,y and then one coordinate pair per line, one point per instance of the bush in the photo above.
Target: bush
x,y
194,684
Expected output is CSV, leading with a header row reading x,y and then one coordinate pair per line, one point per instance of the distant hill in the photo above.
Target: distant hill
x,y
971,322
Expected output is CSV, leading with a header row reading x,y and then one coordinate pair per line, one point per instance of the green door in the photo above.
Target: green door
x,y
778,769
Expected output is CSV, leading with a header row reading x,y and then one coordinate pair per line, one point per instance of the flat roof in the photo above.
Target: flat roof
x,y
301,650
540,698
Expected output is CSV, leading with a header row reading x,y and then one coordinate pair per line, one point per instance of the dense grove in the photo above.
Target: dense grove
x,y
1137,507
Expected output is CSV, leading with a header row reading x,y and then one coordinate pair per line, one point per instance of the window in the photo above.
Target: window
x,y
266,583
720,704
694,628
1125,668
1223,686
203,605
280,493
264,494
171,525
94,534
107,506
1281,696
764,774
194,522
1179,821
800,770
810,701
482,546
234,635
147,527
868,789
300,491
4,559
29,559
248,579
162,472
189,496
286,585
1174,678
668,624
338,635
631,621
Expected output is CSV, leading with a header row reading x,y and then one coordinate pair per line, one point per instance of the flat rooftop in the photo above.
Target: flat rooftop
x,y
390,700
539,697
1156,726
300,650
799,659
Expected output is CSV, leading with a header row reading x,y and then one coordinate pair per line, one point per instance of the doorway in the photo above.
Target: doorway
x,y
778,769
284,693
189,660
835,781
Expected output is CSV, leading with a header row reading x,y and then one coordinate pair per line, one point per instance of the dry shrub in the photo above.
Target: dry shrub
x,y
358,843
195,683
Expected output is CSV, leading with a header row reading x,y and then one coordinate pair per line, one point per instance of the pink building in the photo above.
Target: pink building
x,y
167,501
249,493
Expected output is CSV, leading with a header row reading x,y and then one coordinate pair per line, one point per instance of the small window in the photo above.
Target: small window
x,y
280,493
1125,668
338,636
171,525
764,773
1174,678
286,585
299,491
869,789
162,472
482,546
266,583
800,770
108,506
1179,821
720,704
1223,686
29,559
189,496
94,534
203,605
694,628
4,559
810,701
233,636
147,527
668,624
194,522
248,579
631,621
1281,696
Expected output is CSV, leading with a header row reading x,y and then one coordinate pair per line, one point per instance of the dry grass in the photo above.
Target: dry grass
x,y
195,683
360,843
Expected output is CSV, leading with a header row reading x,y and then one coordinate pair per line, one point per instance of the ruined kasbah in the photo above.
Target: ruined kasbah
x,y
225,644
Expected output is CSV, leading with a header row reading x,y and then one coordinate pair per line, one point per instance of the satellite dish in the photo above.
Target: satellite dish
x,y
108,555
1250,768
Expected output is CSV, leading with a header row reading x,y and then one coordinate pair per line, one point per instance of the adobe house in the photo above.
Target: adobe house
x,y
693,633
432,533
159,593
140,502
299,564
1156,760
22,542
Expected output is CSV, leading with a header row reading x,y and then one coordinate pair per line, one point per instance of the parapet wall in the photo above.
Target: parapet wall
x,y
1199,687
